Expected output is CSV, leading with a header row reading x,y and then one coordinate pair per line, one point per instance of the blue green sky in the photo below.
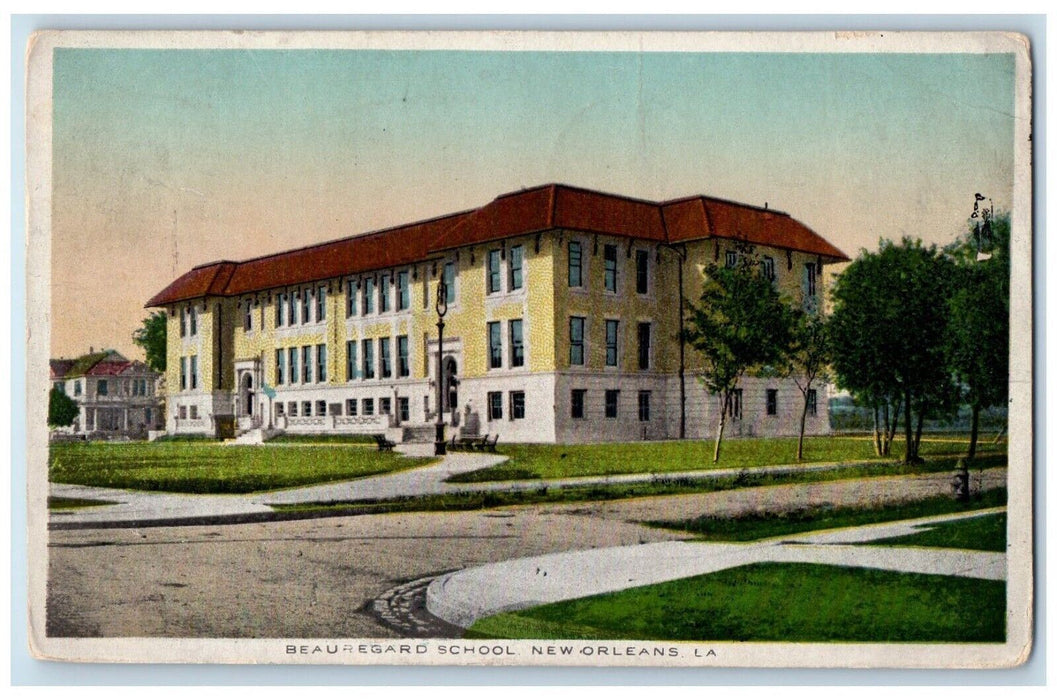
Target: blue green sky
x,y
165,159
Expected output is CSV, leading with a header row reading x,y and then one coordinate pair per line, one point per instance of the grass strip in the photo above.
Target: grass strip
x,y
771,602
63,503
765,525
657,486
560,461
324,439
985,533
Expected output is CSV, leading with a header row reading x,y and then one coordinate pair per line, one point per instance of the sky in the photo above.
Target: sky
x,y
166,159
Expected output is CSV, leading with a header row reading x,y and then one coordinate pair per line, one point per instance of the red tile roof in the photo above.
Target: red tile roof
x,y
516,213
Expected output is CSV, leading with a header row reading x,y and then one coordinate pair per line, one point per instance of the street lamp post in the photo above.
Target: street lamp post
x,y
440,445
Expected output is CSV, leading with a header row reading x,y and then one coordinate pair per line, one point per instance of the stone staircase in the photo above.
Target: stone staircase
x,y
419,433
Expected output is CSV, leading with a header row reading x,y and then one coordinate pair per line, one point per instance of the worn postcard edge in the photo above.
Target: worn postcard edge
x,y
1014,651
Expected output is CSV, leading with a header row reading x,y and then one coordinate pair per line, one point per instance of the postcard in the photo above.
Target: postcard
x,y
530,348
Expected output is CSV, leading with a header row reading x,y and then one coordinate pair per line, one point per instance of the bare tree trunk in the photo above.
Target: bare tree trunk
x,y
910,455
894,430
803,420
722,424
974,431
877,431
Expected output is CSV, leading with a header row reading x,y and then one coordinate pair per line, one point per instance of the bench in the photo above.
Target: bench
x,y
384,445
485,444
466,442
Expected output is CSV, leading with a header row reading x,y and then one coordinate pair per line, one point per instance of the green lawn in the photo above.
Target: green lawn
x,y
758,526
775,602
202,467
556,461
986,533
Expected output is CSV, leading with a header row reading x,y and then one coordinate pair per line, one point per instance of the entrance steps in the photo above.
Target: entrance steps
x,y
253,436
419,433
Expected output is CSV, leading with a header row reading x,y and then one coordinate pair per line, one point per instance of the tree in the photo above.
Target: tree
x,y
808,361
152,337
739,325
888,333
978,332
62,410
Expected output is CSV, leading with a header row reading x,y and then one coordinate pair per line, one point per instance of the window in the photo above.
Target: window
x,y
644,345
306,306
495,345
350,407
182,412
517,257
449,281
735,404
576,264
368,407
772,402
321,408
576,340
194,412
495,405
644,406
321,363
383,292
612,328
292,356
732,258
148,416
194,371
183,322
280,409
609,252
368,359
306,364
517,405
403,361
812,402
77,385
767,267
183,376
385,353
612,400
321,304
403,292
368,295
102,388
350,360
306,408
292,307
517,344
385,406
493,272
280,366
280,307
403,408
578,403
292,409
194,320
810,275
247,315
642,271
350,298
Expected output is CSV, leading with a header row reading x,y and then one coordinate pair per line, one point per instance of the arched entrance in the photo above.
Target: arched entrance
x,y
451,384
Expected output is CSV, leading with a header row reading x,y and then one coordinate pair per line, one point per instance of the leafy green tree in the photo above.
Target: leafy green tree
x,y
62,410
978,332
151,336
888,332
740,325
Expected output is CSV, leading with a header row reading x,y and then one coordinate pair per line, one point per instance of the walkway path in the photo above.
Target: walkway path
x,y
462,597
142,508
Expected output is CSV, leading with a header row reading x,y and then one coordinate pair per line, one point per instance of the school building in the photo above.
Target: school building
x,y
562,325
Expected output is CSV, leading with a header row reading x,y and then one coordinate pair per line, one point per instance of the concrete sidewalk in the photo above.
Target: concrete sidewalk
x,y
462,597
